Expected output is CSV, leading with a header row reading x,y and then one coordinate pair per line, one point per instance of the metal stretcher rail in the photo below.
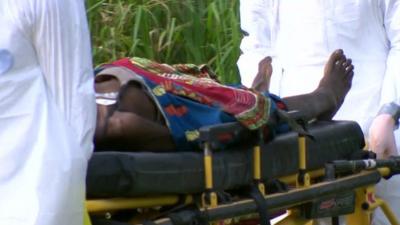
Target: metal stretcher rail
x,y
285,200
112,204
348,184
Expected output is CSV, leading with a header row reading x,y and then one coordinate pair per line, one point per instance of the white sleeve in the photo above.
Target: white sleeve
x,y
61,39
257,23
391,84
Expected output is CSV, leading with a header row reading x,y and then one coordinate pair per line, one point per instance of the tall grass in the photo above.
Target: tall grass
x,y
170,31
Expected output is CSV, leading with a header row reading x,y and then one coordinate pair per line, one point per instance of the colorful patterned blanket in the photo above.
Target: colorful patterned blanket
x,y
190,97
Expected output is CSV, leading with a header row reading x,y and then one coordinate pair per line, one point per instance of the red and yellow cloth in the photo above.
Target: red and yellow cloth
x,y
190,97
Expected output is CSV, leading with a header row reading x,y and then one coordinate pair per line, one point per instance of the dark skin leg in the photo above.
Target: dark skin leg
x,y
324,102
132,125
262,80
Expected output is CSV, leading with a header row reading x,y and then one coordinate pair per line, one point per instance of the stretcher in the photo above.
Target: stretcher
x,y
238,177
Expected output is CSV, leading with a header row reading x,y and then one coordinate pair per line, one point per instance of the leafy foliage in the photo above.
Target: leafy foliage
x,y
170,31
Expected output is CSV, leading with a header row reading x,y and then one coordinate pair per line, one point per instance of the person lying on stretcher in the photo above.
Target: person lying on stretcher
x,y
143,105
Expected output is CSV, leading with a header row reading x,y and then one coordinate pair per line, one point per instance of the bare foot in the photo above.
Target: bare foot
x,y
336,83
262,80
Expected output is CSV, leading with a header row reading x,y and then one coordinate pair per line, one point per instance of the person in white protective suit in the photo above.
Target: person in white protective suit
x,y
47,111
299,35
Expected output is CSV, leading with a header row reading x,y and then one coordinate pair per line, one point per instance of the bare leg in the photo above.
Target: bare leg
x,y
262,80
324,102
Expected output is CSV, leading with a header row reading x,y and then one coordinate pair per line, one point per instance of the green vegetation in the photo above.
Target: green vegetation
x,y
170,31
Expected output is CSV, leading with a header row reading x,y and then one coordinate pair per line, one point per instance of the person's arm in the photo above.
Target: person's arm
x,y
381,137
61,39
257,19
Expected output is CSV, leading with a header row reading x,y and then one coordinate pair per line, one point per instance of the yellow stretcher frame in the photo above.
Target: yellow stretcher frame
x,y
361,216
113,204
365,202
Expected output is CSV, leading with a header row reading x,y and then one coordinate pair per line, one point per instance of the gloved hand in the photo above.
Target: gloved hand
x,y
381,137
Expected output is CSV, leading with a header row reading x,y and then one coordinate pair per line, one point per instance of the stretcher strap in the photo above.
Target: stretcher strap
x,y
259,199
276,186
148,222
297,125
190,216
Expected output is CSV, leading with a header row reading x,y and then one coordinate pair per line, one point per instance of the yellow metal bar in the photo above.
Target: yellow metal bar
x,y
86,218
388,212
257,163
360,216
291,179
119,203
208,172
366,203
304,179
213,200
302,152
307,180
257,168
208,167
384,171
385,208
208,176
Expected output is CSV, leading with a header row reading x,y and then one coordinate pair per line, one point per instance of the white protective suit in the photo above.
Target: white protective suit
x,y
47,111
300,36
